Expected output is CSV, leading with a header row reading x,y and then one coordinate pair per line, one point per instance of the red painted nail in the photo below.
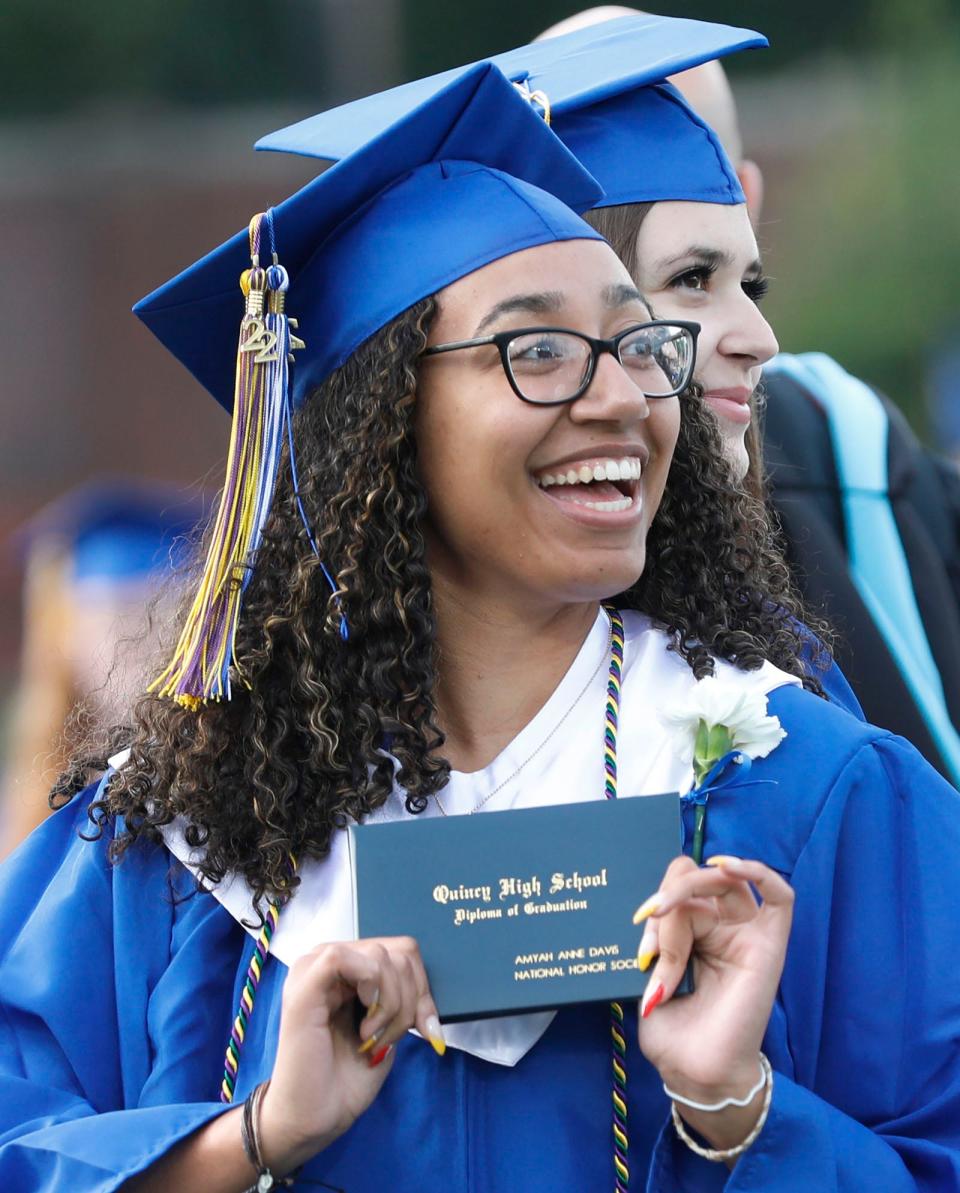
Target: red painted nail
x,y
656,998
380,1055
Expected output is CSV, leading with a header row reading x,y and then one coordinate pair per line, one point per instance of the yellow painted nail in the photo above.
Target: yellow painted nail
x,y
721,859
644,957
648,908
435,1035
368,1044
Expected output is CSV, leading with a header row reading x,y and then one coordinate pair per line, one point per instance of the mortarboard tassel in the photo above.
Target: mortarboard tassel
x,y
200,668
278,323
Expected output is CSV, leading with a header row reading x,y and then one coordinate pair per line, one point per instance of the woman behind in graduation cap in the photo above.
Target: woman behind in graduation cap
x,y
422,557
684,232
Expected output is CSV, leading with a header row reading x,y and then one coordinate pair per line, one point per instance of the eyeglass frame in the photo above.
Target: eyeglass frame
x,y
502,340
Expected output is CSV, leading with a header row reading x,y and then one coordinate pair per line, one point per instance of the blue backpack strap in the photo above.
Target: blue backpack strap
x,y
877,561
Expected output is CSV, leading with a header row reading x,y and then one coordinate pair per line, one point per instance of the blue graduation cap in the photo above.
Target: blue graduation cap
x,y
117,528
602,91
467,177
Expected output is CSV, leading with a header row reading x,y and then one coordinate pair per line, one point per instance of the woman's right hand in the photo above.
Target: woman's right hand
x,y
326,1072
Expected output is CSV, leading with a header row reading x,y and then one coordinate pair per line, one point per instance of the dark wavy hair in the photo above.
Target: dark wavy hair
x,y
299,751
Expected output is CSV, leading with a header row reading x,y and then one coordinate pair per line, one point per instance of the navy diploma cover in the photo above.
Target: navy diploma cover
x,y
521,910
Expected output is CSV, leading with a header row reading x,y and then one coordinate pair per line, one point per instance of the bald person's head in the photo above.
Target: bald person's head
x,y
705,88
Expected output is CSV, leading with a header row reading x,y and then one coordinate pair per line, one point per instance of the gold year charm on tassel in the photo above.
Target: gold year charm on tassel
x,y
261,340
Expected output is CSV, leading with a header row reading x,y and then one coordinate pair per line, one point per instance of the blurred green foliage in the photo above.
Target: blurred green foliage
x,y
58,53
440,34
868,244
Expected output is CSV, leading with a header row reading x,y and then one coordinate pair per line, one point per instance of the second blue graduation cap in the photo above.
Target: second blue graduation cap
x,y
603,91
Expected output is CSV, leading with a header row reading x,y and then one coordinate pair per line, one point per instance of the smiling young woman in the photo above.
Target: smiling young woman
x,y
493,525
701,261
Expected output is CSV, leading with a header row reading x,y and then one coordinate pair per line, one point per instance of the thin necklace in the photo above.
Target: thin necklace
x,y
530,757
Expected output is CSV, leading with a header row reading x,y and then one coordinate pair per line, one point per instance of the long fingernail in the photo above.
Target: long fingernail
x,y
379,1057
435,1035
651,1001
374,1006
644,958
647,950
722,859
648,908
369,1043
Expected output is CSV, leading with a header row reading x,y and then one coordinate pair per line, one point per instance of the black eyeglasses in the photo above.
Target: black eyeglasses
x,y
549,366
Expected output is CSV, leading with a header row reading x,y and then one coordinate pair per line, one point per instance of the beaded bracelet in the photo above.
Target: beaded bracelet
x,y
729,1153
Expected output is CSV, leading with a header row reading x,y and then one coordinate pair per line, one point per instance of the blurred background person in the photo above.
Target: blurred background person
x,y
95,563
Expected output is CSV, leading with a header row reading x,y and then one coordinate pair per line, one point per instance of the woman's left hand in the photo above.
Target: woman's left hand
x,y
706,1045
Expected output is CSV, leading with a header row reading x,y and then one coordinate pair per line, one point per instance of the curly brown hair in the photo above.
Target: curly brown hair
x,y
319,729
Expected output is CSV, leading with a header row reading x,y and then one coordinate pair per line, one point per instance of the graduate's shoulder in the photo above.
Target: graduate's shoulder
x,y
820,664
826,747
828,766
73,848
832,724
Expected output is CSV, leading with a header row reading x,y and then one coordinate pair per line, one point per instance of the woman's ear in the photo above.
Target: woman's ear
x,y
751,179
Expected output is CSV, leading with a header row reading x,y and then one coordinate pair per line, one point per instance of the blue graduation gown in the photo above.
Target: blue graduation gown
x,y
118,993
833,681
839,692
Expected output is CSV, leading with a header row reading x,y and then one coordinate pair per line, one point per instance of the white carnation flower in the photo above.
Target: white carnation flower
x,y
721,703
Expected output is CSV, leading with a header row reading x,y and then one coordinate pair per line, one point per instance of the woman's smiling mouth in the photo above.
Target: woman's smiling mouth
x,y
607,484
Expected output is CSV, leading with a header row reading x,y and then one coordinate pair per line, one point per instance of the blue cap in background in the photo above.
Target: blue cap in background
x,y
117,528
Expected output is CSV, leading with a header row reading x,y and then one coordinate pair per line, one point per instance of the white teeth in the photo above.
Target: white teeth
x,y
627,469
621,503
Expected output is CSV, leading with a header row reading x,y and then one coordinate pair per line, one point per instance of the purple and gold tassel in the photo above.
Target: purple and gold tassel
x,y
201,664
